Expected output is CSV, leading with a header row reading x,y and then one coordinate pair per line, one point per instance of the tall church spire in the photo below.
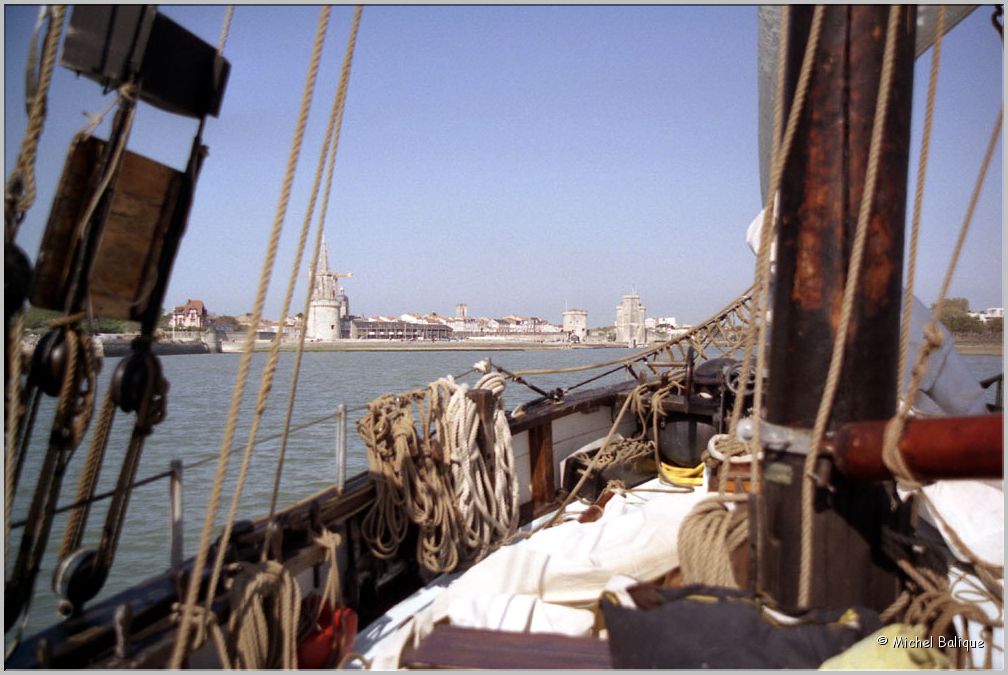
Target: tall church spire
x,y
323,259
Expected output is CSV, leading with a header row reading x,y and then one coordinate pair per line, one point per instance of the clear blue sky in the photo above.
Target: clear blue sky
x,y
518,159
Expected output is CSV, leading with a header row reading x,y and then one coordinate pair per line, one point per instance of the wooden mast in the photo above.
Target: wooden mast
x,y
819,201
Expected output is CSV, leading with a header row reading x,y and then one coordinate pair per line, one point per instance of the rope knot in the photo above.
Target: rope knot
x,y
933,337
128,92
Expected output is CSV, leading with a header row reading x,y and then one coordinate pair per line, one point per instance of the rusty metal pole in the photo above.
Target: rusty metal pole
x,y
819,203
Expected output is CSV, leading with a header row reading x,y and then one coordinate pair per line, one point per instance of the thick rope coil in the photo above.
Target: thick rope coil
x,y
463,503
707,537
266,608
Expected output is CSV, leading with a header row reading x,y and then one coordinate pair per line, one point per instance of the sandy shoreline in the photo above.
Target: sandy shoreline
x,y
977,348
393,346
964,345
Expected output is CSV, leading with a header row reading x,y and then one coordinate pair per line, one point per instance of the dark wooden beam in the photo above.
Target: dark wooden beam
x,y
541,462
818,213
456,647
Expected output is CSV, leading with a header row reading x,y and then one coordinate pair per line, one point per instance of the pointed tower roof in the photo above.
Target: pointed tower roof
x,y
323,259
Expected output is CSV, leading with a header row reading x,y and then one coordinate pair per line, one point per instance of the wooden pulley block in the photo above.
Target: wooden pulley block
x,y
144,196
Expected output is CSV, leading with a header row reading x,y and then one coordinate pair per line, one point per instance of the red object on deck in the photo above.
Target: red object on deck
x,y
945,447
330,640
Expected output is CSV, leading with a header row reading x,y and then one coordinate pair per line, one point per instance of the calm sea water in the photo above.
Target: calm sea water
x,y
198,404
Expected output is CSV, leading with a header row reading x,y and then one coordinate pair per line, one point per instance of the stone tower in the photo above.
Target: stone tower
x,y
630,321
575,324
328,304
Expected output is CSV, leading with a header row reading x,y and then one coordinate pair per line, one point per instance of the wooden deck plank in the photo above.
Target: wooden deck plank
x,y
456,647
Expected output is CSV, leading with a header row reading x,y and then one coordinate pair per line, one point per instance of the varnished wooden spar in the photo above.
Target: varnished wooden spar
x,y
951,447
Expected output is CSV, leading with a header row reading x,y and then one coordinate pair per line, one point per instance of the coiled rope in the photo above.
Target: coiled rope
x,y
464,503
266,605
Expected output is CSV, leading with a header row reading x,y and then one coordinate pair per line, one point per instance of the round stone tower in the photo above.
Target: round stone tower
x,y
324,313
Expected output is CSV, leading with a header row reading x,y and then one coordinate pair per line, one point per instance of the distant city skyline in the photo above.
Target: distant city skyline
x,y
524,158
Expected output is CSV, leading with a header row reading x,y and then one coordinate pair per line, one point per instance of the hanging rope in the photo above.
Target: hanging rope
x,y
438,477
919,196
88,481
329,146
846,310
20,189
891,455
225,29
14,412
181,643
781,150
931,603
711,531
74,406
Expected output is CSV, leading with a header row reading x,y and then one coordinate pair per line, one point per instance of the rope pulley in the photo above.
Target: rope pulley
x,y
74,580
17,279
138,385
49,362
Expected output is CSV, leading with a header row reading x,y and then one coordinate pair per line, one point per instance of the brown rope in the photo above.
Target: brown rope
x,y
707,537
781,150
246,358
88,480
20,188
266,607
847,306
15,410
329,146
225,29
891,456
919,195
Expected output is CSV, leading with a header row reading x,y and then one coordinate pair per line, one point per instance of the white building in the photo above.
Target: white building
x,y
575,324
630,317
328,302
190,316
988,314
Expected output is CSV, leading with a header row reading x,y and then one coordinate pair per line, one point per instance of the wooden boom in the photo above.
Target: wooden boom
x,y
949,447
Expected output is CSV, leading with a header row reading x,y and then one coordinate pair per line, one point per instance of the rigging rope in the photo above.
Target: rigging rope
x,y
181,643
73,412
225,29
713,515
919,196
15,410
891,456
329,147
20,189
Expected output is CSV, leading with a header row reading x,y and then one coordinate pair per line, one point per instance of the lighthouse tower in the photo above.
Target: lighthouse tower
x,y
328,304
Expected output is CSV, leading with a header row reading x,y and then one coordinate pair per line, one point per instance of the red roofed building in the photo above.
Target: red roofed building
x,y
190,316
